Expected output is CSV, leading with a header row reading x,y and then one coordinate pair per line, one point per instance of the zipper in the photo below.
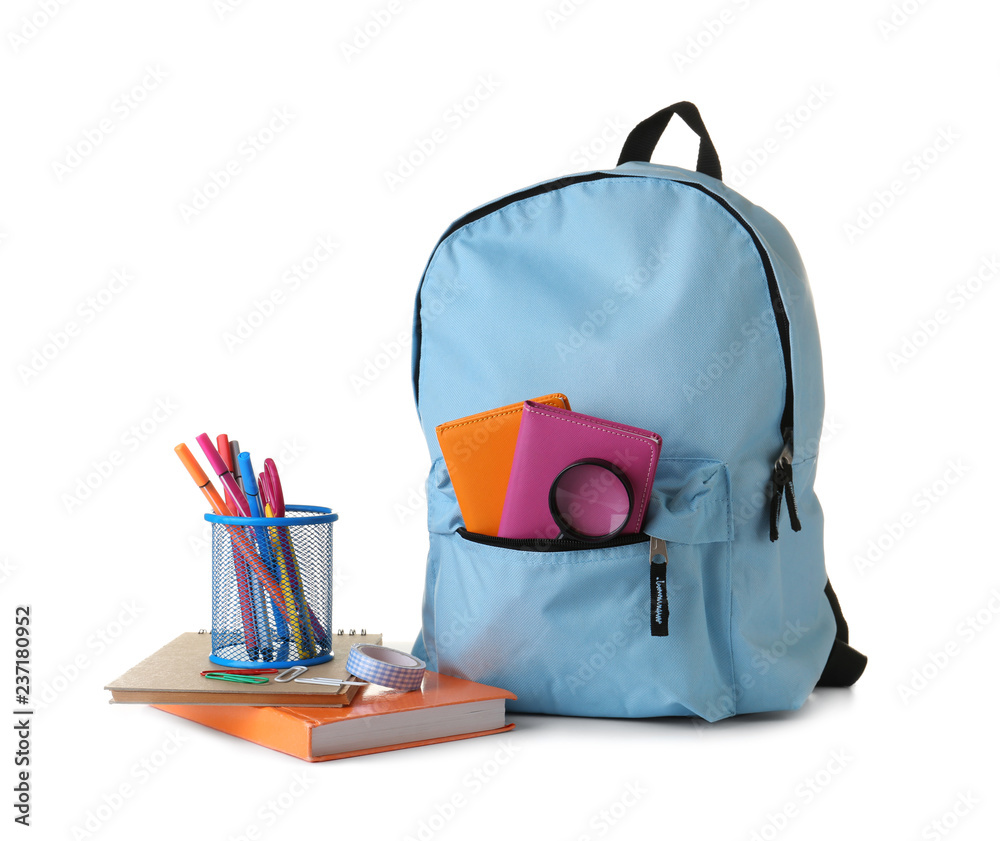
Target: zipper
x,y
541,544
781,474
782,486
659,608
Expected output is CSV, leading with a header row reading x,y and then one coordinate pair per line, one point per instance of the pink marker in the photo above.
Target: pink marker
x,y
225,476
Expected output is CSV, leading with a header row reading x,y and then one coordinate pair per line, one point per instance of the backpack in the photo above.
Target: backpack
x,y
655,297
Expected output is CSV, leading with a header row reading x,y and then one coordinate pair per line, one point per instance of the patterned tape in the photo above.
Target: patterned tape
x,y
385,666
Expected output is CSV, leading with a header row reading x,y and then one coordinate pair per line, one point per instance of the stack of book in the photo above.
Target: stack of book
x,y
312,722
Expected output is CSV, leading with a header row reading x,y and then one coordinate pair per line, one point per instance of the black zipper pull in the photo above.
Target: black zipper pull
x,y
659,610
782,487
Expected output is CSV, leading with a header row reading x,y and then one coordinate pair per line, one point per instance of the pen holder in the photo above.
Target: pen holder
x,y
271,588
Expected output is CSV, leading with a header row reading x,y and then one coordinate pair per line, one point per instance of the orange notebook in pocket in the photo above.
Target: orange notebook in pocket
x,y
479,452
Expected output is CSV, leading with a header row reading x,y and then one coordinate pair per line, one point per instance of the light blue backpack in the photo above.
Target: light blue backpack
x,y
659,298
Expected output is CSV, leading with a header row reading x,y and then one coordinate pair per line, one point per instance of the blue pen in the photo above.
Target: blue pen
x,y
299,617
264,546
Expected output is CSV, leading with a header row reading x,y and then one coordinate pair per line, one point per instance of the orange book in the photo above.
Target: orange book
x,y
479,452
442,710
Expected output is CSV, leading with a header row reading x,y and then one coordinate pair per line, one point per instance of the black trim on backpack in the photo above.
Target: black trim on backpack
x,y
479,213
777,304
845,664
531,192
543,544
782,487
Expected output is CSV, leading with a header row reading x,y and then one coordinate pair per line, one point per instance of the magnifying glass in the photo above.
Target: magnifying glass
x,y
591,500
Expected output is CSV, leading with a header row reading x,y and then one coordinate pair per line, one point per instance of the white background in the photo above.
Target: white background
x,y
322,383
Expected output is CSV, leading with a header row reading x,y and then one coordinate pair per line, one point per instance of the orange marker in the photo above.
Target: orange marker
x,y
202,481
246,548
244,552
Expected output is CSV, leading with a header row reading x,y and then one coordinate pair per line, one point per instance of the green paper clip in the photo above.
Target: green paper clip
x,y
236,678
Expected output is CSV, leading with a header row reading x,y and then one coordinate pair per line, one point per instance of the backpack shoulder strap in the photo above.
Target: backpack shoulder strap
x,y
845,664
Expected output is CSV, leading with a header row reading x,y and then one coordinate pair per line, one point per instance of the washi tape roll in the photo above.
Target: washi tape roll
x,y
385,666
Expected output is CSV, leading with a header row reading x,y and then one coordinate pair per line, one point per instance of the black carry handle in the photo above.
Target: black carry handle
x,y
643,138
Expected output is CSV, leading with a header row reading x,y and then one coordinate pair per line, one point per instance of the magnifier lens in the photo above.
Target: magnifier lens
x,y
591,501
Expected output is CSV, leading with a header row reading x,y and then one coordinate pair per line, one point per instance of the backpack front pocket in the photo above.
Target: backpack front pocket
x,y
568,630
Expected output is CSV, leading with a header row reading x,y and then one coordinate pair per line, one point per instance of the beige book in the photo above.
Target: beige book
x,y
173,676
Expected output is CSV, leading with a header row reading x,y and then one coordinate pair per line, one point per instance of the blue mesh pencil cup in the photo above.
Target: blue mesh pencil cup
x,y
272,588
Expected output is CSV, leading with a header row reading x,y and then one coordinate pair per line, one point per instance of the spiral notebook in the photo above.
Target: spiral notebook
x,y
172,675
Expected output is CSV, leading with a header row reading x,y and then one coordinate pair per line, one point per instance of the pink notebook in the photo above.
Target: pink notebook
x,y
551,439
